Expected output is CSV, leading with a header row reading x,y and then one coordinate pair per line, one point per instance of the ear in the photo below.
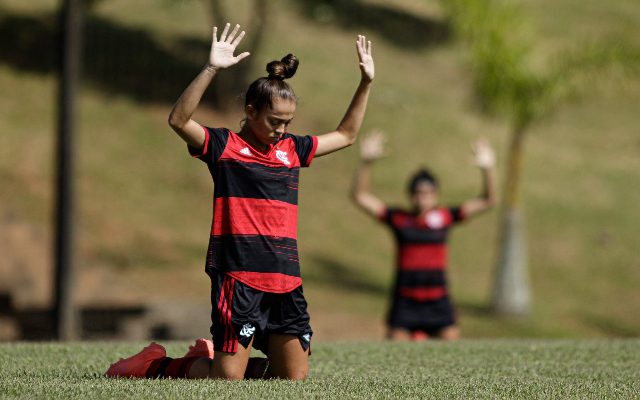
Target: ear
x,y
250,112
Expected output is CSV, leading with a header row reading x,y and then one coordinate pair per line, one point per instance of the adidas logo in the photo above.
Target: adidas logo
x,y
307,337
246,151
247,330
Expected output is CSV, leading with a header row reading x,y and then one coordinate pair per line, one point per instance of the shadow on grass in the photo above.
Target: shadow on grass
x,y
399,27
330,272
474,309
122,60
611,327
117,59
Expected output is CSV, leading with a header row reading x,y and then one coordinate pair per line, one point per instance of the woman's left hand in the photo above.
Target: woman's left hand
x,y
366,61
484,156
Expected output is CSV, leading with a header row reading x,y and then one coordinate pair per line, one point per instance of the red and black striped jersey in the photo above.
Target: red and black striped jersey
x,y
421,250
255,207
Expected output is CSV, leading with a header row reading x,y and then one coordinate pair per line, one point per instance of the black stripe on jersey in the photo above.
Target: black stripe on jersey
x,y
256,181
254,253
421,278
416,235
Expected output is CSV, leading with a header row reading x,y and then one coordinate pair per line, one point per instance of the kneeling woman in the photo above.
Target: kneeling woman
x,y
421,306
252,260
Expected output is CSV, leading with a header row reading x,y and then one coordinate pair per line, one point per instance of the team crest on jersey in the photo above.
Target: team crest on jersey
x,y
247,330
282,156
434,219
246,151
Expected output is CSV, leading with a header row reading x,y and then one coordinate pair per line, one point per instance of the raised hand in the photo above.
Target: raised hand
x,y
366,61
484,157
372,146
221,55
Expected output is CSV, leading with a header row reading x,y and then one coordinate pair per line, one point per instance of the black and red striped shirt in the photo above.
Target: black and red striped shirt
x,y
255,207
421,251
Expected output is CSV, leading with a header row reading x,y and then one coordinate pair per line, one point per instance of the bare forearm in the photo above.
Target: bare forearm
x,y
490,192
190,98
350,124
362,179
361,194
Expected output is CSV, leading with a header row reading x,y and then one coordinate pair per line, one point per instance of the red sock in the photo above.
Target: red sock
x,y
166,367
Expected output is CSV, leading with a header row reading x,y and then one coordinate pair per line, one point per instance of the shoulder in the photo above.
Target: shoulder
x,y
222,131
396,216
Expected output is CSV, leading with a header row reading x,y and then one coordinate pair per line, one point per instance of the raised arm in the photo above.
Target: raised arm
x,y
220,57
485,159
371,148
346,133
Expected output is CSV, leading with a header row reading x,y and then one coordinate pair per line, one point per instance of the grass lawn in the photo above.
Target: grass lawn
x,y
484,368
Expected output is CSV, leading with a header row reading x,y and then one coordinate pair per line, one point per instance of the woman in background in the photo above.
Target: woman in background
x,y
421,306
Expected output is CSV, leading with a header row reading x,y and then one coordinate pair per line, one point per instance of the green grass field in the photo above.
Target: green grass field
x,y
563,369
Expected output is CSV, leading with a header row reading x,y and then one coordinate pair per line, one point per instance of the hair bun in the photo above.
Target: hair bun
x,y
283,69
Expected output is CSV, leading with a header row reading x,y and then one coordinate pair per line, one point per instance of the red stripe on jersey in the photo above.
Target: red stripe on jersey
x,y
205,147
423,293
240,216
280,154
447,216
313,151
234,339
271,282
222,305
416,256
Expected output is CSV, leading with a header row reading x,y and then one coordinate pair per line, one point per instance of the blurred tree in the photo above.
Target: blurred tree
x,y
507,83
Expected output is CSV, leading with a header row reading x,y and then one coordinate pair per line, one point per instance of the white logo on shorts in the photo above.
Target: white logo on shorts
x,y
246,151
247,330
282,156
434,219
307,337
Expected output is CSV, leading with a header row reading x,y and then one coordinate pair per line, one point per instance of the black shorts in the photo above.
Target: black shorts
x,y
240,313
427,316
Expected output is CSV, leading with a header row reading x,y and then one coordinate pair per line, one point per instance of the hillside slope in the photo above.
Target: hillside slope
x,y
144,206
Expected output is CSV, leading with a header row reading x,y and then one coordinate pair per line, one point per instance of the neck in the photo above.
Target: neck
x,y
247,134
419,211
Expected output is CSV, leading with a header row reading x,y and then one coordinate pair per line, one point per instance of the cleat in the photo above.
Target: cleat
x,y
136,366
419,336
202,348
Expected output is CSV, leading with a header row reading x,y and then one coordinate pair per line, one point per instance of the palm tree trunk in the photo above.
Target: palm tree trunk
x,y
512,292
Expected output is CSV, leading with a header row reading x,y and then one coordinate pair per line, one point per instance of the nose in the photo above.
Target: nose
x,y
280,130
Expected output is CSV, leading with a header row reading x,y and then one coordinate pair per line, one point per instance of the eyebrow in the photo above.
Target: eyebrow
x,y
284,120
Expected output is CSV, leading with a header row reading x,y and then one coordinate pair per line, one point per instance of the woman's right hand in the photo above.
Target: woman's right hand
x,y
372,146
221,55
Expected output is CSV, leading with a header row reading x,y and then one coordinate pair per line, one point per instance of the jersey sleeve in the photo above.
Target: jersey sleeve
x,y
305,148
386,216
214,143
457,214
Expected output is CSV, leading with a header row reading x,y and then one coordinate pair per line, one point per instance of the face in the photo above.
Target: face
x,y
269,124
425,196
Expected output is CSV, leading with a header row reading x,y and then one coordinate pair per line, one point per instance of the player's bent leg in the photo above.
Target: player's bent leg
x,y
230,366
451,332
287,358
200,368
399,334
137,365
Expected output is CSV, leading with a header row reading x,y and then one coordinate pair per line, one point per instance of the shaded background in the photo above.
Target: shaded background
x,y
144,206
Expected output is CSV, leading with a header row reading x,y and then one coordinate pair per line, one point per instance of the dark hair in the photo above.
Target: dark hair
x,y
422,176
263,90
